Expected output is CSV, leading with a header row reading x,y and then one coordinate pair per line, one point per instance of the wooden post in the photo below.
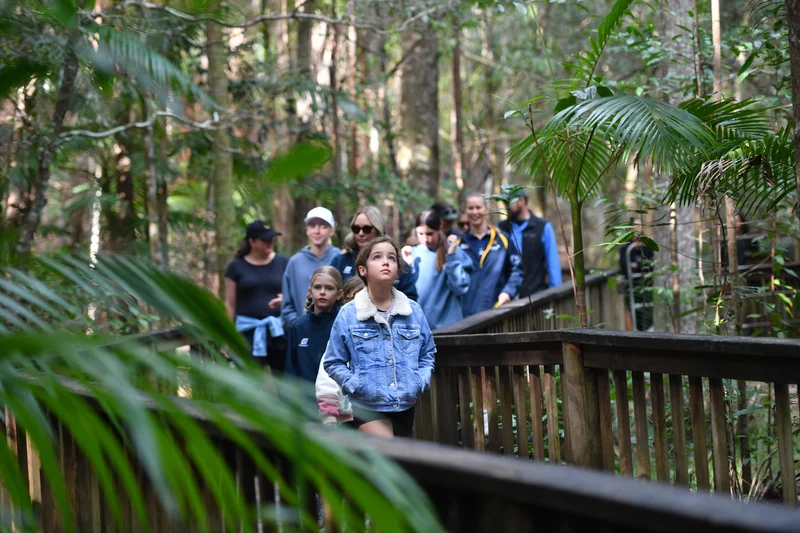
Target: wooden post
x,y
783,423
580,391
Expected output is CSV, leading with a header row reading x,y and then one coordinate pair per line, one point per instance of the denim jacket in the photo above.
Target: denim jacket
x,y
390,363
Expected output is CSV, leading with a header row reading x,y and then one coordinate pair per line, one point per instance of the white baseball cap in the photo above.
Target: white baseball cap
x,y
322,214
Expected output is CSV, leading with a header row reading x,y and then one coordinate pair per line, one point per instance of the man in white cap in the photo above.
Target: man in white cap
x,y
297,276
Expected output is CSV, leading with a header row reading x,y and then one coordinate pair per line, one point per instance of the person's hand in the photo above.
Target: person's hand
x,y
452,242
275,303
503,299
408,254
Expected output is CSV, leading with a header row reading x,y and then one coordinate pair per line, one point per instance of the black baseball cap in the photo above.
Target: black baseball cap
x,y
258,229
446,211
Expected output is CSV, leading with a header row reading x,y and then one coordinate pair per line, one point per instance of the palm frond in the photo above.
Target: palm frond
x,y
640,127
116,398
111,51
759,173
731,119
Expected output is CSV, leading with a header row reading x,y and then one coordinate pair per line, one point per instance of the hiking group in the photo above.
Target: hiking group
x,y
357,321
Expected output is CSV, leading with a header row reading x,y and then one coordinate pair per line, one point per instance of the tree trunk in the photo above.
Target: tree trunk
x,y
457,136
496,147
793,10
222,177
578,263
303,69
418,155
47,149
153,227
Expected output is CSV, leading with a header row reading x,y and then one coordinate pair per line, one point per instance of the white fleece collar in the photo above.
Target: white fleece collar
x,y
365,309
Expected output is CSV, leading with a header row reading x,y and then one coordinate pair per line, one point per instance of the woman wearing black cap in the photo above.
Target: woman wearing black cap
x,y
253,294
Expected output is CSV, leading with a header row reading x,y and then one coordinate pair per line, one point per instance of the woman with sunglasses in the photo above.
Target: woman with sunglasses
x,y
367,224
253,294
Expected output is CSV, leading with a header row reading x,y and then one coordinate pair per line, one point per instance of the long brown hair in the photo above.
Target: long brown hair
x,y
432,220
334,274
364,253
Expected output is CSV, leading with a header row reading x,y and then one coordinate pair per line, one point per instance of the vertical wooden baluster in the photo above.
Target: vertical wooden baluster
x,y
640,419
565,450
537,426
518,373
623,423
722,483
678,430
506,406
464,401
476,385
51,516
69,469
783,424
660,426
18,443
494,442
551,404
444,429
699,433
606,421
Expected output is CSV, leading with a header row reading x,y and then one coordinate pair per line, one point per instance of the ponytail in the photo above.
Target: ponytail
x,y
244,248
441,252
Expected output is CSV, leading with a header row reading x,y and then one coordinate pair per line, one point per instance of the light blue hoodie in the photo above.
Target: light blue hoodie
x,y
439,293
297,280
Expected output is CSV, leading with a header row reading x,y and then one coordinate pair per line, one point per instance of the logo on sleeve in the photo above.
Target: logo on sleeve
x,y
347,270
303,342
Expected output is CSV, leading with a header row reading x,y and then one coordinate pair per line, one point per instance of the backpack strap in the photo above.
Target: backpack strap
x,y
492,236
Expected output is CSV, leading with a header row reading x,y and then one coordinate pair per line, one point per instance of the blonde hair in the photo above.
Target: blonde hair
x,y
330,271
375,218
351,287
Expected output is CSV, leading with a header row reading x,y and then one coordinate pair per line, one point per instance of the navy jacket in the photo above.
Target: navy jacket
x,y
305,343
498,269
406,283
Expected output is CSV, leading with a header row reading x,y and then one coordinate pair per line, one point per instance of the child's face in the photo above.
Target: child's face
x,y
427,236
324,292
318,231
382,264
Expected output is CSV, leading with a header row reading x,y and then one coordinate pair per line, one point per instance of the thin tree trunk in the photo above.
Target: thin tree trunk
x,y
222,177
153,226
47,149
457,138
698,55
730,222
579,268
793,11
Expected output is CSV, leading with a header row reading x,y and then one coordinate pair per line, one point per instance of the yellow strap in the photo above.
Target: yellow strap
x,y
492,235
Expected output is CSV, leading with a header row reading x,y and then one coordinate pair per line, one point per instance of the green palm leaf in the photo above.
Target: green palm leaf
x,y
116,398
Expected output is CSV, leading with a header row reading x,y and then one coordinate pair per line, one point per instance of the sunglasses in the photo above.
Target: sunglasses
x,y
463,224
358,229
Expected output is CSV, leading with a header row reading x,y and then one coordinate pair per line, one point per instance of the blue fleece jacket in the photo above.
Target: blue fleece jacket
x,y
440,292
494,271
297,279
346,265
305,343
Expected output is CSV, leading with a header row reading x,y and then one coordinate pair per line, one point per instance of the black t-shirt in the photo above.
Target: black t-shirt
x,y
257,285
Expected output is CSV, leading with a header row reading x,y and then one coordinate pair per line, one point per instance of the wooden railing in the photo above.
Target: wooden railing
x,y
550,309
471,492
554,396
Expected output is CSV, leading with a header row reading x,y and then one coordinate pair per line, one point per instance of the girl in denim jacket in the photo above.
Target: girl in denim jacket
x,y
385,339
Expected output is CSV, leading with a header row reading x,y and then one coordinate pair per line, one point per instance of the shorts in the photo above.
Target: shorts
x,y
402,421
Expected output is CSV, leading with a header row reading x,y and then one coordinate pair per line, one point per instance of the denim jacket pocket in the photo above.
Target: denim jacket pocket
x,y
365,341
410,342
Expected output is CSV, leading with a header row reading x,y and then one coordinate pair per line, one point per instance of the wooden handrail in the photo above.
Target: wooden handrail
x,y
481,321
478,492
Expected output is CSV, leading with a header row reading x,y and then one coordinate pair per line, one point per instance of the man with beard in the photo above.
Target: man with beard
x,y
536,241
